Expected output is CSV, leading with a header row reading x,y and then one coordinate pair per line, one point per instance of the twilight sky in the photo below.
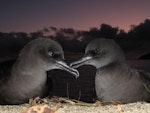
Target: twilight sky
x,y
33,15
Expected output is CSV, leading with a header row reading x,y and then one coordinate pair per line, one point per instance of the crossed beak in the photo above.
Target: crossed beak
x,y
80,62
63,66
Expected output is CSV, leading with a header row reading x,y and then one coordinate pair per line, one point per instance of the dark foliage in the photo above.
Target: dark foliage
x,y
72,40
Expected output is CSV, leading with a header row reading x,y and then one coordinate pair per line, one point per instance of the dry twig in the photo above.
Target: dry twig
x,y
75,102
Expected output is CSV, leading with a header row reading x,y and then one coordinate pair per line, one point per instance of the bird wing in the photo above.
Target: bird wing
x,y
145,76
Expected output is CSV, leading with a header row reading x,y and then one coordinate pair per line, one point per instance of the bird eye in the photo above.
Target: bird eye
x,y
97,50
54,55
93,52
51,54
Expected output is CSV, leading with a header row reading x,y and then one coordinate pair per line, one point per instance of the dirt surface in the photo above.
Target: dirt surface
x,y
139,107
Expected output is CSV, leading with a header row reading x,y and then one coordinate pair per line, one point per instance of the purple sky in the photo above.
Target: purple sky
x,y
33,15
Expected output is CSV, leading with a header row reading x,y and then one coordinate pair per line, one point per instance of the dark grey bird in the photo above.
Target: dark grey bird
x,y
27,77
115,80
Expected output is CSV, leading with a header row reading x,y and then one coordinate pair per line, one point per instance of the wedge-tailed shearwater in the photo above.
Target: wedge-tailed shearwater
x,y
115,80
27,78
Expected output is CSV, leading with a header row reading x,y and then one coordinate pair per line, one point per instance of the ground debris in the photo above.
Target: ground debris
x,y
120,109
37,101
74,102
42,109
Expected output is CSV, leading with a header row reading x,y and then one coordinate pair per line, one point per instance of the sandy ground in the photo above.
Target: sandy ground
x,y
139,107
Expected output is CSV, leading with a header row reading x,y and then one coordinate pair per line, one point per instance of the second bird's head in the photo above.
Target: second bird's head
x,y
100,52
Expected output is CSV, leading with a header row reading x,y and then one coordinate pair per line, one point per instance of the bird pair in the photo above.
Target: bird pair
x,y
114,81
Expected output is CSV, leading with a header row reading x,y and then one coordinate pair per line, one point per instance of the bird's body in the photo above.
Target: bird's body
x,y
27,77
114,80
121,83
19,88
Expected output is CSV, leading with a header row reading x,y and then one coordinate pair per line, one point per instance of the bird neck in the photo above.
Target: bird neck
x,y
25,68
120,66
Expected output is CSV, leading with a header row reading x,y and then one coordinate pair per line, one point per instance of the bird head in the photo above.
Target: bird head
x,y
46,54
100,52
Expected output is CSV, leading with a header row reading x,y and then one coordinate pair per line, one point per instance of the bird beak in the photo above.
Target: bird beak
x,y
63,66
80,62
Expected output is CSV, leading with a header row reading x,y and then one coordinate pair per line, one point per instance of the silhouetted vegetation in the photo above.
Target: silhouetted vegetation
x,y
137,39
